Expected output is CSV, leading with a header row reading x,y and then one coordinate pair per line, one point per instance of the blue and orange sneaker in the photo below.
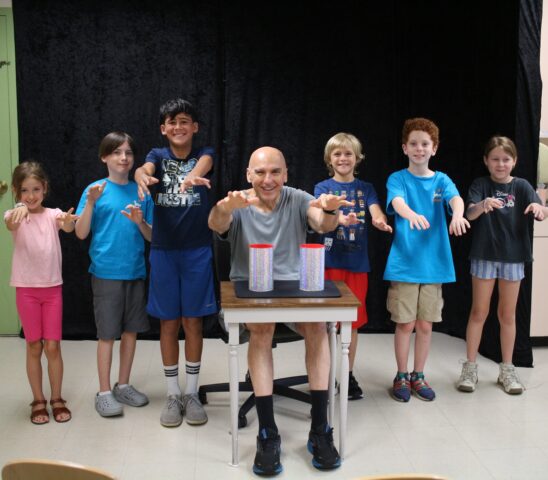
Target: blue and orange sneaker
x,y
421,388
401,390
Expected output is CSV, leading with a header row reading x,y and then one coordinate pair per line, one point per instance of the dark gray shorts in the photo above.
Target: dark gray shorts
x,y
119,306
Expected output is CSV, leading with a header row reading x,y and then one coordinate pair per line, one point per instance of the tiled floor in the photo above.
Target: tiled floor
x,y
485,435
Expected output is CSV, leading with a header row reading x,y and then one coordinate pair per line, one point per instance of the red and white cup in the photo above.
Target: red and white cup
x,y
260,267
312,267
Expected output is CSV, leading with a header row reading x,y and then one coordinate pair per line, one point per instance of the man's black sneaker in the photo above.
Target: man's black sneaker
x,y
354,390
324,453
267,458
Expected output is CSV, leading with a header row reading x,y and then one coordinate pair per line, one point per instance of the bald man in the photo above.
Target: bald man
x,y
270,212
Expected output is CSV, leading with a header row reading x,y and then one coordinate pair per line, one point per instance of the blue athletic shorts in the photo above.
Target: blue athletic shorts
x,y
488,270
181,283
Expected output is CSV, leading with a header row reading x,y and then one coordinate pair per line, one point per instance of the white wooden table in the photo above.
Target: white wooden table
x,y
341,309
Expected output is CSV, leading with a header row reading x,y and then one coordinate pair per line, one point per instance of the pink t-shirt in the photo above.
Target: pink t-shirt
x,y
37,251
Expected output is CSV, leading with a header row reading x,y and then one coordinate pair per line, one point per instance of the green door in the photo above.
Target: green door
x,y
9,323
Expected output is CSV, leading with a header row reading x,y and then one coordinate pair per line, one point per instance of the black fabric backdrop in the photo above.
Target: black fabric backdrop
x,y
287,74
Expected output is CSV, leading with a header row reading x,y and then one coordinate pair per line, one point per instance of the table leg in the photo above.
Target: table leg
x,y
346,330
233,343
332,329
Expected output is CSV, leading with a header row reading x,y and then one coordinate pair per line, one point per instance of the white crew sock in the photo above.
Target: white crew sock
x,y
172,379
192,373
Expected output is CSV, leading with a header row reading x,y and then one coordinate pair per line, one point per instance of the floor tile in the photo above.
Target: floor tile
x,y
487,435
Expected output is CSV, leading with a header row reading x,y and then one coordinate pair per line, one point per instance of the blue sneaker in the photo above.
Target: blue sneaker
x,y
267,458
324,453
421,388
401,390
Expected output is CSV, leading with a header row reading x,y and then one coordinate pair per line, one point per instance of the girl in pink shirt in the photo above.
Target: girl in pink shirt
x,y
36,275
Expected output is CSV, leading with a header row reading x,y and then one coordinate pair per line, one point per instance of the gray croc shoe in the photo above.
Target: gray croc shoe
x,y
130,396
194,410
108,406
172,413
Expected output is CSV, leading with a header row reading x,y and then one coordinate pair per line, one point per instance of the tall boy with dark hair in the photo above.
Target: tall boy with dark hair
x,y
181,276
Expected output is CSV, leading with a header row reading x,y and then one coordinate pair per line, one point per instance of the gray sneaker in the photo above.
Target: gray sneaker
x,y
194,410
509,380
108,406
172,413
468,377
130,396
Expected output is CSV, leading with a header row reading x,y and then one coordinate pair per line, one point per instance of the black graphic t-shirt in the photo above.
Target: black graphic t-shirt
x,y
180,219
502,235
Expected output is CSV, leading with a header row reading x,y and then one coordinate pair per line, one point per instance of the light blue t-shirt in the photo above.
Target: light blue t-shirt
x,y
420,256
117,249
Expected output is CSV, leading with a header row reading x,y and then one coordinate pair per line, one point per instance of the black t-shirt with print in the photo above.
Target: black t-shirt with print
x,y
502,235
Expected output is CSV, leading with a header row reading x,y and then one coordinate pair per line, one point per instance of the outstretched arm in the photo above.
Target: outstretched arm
x,y
197,175
135,214
67,220
458,224
378,218
347,220
16,217
487,205
415,220
539,212
220,216
83,224
323,212
144,178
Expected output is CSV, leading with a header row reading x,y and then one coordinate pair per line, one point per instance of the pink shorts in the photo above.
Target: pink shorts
x,y
41,312
357,282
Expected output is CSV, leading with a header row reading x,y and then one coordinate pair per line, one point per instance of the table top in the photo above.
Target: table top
x,y
230,300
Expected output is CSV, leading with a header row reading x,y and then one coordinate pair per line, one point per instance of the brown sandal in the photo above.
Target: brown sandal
x,y
41,412
59,410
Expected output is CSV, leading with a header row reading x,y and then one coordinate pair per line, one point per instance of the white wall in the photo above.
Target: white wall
x,y
5,3
544,74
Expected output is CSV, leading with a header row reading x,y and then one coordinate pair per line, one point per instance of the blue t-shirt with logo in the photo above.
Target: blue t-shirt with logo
x,y
346,247
117,249
420,256
180,219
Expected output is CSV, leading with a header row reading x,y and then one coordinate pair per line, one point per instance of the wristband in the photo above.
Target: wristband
x,y
19,204
329,212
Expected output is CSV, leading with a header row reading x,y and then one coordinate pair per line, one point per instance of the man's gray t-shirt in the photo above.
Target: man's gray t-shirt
x,y
285,227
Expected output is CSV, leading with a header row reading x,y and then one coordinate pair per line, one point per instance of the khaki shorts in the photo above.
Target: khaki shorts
x,y
408,302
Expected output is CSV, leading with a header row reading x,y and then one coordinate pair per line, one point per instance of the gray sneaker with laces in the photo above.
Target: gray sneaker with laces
x,y
107,405
193,409
130,396
468,377
509,380
172,413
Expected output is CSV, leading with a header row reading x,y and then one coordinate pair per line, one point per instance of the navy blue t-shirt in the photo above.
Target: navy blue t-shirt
x,y
180,219
346,247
